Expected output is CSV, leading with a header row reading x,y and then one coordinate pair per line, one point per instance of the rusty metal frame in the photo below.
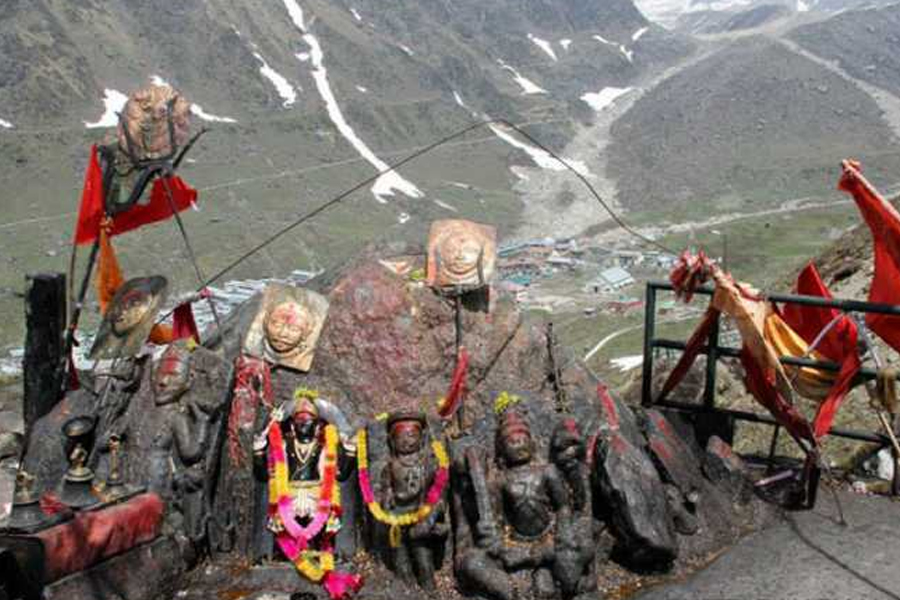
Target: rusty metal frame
x,y
714,351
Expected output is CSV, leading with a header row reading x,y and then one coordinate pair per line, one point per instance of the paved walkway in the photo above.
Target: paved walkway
x,y
807,556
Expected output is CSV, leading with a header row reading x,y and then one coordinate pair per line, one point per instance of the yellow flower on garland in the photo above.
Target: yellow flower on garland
x,y
504,401
302,392
396,522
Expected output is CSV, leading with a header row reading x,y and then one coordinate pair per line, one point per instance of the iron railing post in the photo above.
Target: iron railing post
x,y
649,326
712,357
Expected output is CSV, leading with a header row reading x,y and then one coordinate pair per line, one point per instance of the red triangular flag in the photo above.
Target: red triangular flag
x,y
159,208
884,222
839,344
90,212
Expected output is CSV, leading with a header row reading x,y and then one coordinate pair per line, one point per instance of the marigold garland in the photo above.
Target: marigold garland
x,y
295,539
397,521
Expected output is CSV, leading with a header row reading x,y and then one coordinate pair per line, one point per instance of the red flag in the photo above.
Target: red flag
x,y
183,323
884,222
90,212
766,393
159,208
839,344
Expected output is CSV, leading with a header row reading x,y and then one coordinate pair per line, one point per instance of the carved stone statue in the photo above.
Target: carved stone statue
x,y
178,449
129,318
513,551
406,479
302,426
461,254
575,549
287,327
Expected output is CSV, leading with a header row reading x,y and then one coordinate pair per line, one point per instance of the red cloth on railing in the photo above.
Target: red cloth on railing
x,y
94,536
839,344
884,222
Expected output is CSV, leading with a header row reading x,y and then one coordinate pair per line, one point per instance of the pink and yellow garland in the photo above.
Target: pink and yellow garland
x,y
394,521
316,565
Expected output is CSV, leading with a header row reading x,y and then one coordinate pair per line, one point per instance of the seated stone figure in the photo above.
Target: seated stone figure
x,y
510,550
406,480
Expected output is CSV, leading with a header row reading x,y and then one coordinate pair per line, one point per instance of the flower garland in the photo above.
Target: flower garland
x,y
295,539
397,521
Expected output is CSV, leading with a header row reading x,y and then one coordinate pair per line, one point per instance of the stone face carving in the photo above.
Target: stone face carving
x,y
461,254
129,318
287,327
406,480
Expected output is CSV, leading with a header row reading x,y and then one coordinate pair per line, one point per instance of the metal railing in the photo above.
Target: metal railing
x,y
714,352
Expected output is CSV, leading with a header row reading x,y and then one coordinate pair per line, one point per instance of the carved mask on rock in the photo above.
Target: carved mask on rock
x,y
171,376
461,254
287,327
129,318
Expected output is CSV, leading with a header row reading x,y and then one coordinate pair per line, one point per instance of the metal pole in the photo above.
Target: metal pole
x,y
460,413
712,357
649,325
77,308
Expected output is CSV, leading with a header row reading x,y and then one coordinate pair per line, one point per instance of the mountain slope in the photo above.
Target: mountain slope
x,y
753,123
317,96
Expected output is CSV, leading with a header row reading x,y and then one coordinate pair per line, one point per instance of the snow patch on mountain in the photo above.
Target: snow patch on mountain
x,y
640,32
565,44
282,86
362,89
355,14
296,14
541,158
113,102
5,124
443,204
544,45
528,86
390,181
604,98
198,111
406,49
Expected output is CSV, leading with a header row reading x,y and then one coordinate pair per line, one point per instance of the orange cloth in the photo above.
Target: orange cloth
x,y
109,279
